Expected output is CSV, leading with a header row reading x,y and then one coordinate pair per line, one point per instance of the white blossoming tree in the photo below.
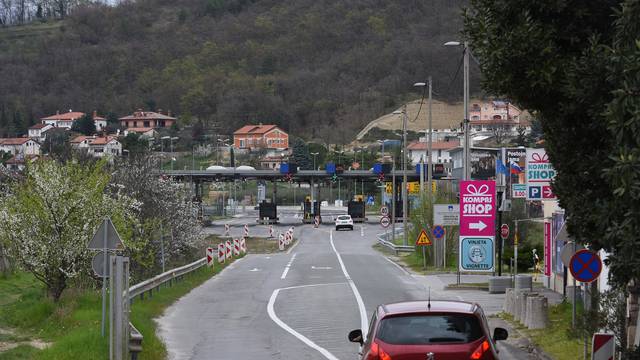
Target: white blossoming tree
x,y
47,219
164,204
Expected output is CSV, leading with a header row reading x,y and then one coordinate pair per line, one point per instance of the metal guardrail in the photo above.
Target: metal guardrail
x,y
153,283
383,239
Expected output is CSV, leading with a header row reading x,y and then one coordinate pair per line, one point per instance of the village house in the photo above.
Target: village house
x,y
269,137
142,131
440,151
66,120
20,146
147,119
37,132
103,146
493,115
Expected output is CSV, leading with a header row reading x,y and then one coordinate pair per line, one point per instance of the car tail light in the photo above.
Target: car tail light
x,y
376,353
480,351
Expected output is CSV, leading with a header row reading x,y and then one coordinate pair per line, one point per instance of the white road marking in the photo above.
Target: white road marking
x,y
293,247
254,270
304,339
356,293
286,268
396,265
321,267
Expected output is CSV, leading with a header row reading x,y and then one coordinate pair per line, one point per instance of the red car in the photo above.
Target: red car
x,y
429,330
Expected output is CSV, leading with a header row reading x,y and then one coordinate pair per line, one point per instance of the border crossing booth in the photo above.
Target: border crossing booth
x,y
310,211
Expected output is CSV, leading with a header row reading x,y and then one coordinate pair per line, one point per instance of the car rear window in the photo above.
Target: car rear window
x,y
344,217
429,329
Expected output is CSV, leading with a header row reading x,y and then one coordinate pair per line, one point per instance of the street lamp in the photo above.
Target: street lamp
x,y
224,143
465,149
429,154
314,159
404,173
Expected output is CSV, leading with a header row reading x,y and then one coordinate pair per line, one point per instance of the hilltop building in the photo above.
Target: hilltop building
x,y
147,119
20,146
102,146
66,120
269,137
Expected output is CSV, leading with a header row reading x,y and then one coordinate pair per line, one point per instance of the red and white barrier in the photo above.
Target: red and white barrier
x,y
236,247
270,231
281,242
243,245
316,221
210,256
603,347
229,249
246,230
221,253
226,229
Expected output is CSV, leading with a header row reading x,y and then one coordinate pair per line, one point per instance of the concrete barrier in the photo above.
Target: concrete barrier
x,y
517,303
499,284
509,301
522,305
537,312
523,282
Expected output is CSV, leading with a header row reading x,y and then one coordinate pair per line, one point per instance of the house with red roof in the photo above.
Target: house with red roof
x,y
37,131
98,146
20,146
66,120
147,119
439,151
260,137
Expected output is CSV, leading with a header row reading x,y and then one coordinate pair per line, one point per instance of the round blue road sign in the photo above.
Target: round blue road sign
x,y
438,232
585,266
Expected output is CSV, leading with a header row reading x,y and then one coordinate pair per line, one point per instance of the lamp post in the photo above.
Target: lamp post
x,y
465,149
405,240
430,142
314,159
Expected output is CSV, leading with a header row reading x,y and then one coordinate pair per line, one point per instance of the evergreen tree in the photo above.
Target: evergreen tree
x,y
85,125
300,154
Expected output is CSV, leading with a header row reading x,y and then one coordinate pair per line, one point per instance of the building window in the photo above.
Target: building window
x,y
242,144
135,124
146,124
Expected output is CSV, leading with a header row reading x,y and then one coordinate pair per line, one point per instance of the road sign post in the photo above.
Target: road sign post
x,y
585,266
423,240
385,221
477,226
106,238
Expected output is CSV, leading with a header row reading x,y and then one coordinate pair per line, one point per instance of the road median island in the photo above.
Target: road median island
x,y
70,329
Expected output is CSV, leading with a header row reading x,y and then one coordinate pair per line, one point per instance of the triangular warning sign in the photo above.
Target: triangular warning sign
x,y
423,239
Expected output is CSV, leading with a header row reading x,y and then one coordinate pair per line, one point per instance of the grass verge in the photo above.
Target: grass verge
x,y
556,340
72,326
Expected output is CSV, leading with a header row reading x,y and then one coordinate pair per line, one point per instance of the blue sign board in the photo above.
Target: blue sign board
x,y
438,232
370,200
476,254
585,266
330,168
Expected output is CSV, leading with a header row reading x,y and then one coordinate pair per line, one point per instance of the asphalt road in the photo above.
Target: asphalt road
x,y
300,304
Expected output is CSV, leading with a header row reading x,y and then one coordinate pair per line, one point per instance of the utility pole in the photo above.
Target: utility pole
x,y
404,176
467,169
393,198
430,158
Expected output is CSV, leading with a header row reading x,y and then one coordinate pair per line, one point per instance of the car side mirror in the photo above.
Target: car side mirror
x,y
356,336
500,334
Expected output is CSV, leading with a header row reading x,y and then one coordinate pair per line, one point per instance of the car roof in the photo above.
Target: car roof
x,y
408,307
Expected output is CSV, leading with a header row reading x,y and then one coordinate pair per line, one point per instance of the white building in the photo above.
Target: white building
x,y
20,146
98,146
37,132
440,151
67,119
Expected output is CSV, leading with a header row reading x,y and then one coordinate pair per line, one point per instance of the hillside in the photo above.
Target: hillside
x,y
318,68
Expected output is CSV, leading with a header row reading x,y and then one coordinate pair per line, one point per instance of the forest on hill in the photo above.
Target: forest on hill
x,y
318,68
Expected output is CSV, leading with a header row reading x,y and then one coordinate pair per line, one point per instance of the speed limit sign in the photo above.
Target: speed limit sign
x,y
384,211
385,221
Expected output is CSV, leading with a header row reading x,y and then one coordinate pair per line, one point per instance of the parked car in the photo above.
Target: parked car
x,y
423,330
344,222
